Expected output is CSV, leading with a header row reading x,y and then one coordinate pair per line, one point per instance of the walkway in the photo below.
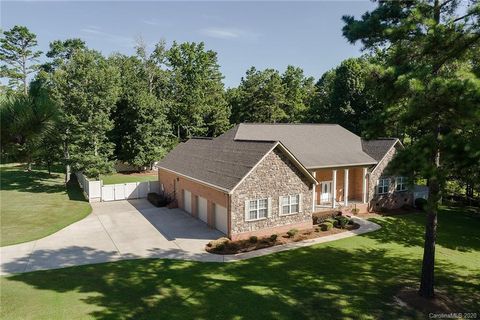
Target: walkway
x,y
134,229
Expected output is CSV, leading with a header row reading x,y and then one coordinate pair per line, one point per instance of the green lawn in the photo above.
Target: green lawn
x,y
35,204
354,278
124,178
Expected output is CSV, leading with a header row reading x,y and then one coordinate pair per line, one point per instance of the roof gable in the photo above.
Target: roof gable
x,y
378,148
222,162
314,145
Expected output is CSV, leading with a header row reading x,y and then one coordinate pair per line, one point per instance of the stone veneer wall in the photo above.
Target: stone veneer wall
x,y
392,199
275,176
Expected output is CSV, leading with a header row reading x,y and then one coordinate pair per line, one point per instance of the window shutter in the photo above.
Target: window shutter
x,y
247,203
280,205
269,210
300,203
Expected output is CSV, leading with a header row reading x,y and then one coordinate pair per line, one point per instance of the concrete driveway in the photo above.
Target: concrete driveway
x,y
115,231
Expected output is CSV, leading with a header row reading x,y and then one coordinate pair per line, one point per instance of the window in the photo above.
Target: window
x,y
257,209
383,185
400,183
290,204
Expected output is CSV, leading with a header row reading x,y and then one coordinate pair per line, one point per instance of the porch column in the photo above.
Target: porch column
x,y
364,185
334,187
314,186
345,187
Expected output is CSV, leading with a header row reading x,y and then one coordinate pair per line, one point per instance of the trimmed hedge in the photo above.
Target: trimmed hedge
x,y
322,216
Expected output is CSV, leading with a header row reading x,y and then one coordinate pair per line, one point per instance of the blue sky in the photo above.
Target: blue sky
x,y
260,34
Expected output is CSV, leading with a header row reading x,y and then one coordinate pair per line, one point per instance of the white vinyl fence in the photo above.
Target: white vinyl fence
x,y
96,191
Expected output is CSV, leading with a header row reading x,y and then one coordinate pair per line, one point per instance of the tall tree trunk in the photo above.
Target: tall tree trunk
x,y
428,264
24,70
66,155
434,196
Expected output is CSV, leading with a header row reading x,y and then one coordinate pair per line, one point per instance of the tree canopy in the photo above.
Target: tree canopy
x,y
428,47
18,56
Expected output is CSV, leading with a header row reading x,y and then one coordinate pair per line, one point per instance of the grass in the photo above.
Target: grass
x,y
354,278
124,178
35,204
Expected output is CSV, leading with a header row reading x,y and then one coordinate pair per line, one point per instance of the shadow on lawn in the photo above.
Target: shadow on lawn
x,y
456,230
16,178
314,283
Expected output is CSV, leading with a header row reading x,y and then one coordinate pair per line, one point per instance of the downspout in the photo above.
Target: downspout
x,y
229,215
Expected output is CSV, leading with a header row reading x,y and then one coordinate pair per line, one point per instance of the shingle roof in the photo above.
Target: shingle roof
x,y
314,145
221,162
378,148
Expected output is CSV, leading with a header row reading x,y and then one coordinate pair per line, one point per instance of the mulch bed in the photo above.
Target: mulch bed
x,y
441,303
239,246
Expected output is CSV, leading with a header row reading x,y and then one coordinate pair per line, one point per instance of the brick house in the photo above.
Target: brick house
x,y
261,179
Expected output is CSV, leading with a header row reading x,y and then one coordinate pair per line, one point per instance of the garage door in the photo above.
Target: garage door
x,y
202,209
187,201
221,218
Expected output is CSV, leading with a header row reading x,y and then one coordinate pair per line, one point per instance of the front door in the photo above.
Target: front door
x,y
326,194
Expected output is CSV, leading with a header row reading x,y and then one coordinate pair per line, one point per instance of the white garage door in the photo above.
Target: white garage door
x,y
202,209
221,218
187,201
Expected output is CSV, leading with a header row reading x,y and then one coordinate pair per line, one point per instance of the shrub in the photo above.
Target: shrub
x,y
292,232
158,200
355,211
325,226
319,217
331,220
253,239
342,221
273,237
420,203
219,244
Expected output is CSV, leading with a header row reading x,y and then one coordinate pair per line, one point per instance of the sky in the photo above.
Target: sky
x,y
244,34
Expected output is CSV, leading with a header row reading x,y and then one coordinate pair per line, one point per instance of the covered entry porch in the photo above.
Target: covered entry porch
x,y
340,187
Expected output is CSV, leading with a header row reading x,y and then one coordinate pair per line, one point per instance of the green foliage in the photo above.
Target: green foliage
x,y
267,96
142,134
196,93
342,221
28,123
325,226
292,232
18,55
273,237
428,49
299,93
86,89
253,239
61,51
347,96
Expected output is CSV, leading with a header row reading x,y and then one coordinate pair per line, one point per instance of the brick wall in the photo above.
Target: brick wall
x,y
175,184
275,176
355,184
